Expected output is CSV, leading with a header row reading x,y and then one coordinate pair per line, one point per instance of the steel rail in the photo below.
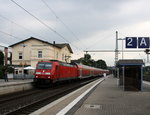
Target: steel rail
x,y
46,98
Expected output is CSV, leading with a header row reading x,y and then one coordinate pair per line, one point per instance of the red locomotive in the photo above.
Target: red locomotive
x,y
53,71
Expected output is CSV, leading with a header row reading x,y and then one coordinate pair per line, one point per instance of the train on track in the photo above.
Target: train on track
x,y
52,71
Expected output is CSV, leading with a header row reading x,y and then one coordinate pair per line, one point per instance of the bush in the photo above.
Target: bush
x,y
3,68
10,69
147,78
1,71
1,58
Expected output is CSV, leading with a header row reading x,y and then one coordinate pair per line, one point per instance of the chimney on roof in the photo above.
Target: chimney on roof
x,y
53,42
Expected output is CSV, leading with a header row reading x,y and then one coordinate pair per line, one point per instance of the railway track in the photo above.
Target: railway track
x,y
6,98
31,101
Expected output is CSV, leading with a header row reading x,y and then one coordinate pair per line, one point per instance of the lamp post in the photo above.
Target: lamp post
x,y
122,46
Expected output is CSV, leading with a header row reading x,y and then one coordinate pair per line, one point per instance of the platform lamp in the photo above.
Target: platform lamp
x,y
147,51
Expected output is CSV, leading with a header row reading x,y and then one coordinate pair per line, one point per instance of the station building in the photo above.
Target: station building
x,y
29,51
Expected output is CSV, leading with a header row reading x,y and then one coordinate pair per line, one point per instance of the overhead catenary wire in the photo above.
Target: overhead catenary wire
x,y
10,35
17,25
57,17
20,26
114,51
106,37
50,28
40,21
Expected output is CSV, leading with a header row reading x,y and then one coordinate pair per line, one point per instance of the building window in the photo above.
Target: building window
x,y
57,55
16,72
20,71
20,55
62,56
39,54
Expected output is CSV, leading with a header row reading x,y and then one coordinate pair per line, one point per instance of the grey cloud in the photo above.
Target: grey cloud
x,y
84,18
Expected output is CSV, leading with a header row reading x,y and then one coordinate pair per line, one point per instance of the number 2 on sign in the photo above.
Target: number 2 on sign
x,y
130,42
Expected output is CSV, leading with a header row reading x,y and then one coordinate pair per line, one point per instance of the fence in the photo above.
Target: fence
x,y
25,76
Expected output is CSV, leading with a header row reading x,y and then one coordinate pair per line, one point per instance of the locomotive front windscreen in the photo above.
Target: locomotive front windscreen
x,y
44,65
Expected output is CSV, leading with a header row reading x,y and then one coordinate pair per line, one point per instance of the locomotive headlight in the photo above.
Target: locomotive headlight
x,y
47,73
38,73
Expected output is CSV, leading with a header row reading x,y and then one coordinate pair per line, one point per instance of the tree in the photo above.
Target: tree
x,y
86,60
1,64
87,57
101,64
1,58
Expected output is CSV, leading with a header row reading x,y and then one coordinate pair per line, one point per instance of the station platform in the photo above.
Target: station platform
x,y
13,82
109,99
105,98
15,85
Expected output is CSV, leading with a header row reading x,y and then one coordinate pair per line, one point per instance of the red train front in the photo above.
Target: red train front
x,y
53,71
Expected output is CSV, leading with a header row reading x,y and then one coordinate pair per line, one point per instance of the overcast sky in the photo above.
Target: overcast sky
x,y
84,24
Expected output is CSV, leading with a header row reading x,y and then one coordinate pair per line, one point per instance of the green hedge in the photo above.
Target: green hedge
x,y
146,77
1,72
3,68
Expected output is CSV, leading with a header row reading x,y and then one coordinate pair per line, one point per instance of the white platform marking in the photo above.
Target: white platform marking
x,y
40,111
69,106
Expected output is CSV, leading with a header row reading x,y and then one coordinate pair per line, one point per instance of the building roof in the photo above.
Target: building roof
x,y
130,62
55,45
63,45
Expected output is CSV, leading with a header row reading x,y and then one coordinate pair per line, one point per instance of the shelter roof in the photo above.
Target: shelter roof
x,y
130,62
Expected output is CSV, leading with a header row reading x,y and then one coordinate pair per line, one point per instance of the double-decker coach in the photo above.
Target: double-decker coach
x,y
87,71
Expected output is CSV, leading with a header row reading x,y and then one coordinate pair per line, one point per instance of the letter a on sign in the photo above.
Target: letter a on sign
x,y
143,42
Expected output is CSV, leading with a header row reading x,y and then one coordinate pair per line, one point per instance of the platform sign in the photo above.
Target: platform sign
x,y
137,42
131,42
143,42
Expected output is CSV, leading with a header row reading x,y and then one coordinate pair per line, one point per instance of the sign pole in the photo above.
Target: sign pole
x,y
116,50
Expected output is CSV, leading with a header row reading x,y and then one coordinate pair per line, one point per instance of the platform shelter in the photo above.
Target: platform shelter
x,y
130,74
